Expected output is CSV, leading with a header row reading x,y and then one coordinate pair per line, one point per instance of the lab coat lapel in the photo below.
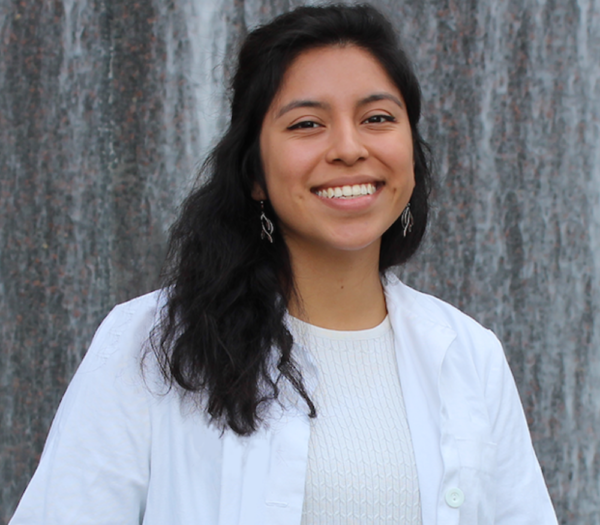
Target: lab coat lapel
x,y
421,343
244,467
262,476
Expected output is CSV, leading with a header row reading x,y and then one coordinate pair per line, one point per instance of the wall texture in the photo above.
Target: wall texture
x,y
107,106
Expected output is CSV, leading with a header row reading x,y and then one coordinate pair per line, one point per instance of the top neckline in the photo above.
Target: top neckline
x,y
345,335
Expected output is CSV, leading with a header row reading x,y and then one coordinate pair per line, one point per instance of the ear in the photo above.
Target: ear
x,y
258,194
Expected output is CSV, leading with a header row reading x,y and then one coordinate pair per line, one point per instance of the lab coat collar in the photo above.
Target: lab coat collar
x,y
413,314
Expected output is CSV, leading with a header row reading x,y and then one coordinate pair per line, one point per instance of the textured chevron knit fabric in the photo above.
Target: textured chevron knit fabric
x,y
361,467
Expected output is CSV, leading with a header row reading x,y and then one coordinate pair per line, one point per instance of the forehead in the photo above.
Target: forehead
x,y
339,73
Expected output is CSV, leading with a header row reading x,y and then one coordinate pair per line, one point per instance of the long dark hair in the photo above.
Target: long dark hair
x,y
222,334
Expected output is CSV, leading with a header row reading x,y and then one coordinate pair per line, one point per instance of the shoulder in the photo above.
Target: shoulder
x,y
119,344
428,309
111,374
137,314
452,340
133,319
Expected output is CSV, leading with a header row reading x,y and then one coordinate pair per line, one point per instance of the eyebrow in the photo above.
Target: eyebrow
x,y
302,104
375,97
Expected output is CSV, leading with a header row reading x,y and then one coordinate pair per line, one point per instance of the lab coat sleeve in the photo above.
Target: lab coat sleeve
x,y
95,465
521,494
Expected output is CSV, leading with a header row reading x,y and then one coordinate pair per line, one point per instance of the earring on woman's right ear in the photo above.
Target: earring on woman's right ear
x,y
266,224
406,220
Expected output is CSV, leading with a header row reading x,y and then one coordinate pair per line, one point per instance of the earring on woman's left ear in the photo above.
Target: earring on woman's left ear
x,y
267,226
406,220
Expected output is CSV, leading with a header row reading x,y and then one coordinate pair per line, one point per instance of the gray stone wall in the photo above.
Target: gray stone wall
x,y
107,106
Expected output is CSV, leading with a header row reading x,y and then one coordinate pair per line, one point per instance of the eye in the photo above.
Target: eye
x,y
305,124
379,119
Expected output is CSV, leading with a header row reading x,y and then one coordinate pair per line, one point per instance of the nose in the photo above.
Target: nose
x,y
347,146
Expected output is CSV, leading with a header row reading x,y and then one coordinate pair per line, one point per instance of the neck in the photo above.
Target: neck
x,y
338,290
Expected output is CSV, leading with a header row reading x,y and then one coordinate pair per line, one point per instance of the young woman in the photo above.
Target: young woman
x,y
284,375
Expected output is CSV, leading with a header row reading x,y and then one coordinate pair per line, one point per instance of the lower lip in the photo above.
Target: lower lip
x,y
351,204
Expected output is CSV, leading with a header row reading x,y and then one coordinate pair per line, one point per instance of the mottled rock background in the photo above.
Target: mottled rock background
x,y
107,106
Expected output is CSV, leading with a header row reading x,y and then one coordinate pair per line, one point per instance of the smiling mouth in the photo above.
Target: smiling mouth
x,y
348,191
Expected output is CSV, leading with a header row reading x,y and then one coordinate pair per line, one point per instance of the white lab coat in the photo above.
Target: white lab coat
x,y
122,451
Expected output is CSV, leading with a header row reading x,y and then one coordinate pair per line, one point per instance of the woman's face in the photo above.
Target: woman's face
x,y
337,151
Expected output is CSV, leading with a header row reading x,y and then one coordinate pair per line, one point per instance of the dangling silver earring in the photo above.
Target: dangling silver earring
x,y
406,220
267,225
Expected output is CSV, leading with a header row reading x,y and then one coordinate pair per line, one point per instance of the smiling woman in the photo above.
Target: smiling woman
x,y
284,374
337,125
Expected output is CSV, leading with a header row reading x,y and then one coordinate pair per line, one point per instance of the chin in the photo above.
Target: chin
x,y
355,244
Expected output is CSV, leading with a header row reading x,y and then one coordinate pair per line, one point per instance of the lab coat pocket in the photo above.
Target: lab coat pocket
x,y
477,466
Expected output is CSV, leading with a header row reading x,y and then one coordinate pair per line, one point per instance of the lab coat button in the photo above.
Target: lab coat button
x,y
455,497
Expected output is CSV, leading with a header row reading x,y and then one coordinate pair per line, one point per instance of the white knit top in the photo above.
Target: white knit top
x,y
361,467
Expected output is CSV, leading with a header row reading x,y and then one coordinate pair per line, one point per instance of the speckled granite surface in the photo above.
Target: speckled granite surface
x,y
107,106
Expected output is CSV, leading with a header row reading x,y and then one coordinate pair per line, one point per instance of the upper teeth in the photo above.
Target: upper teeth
x,y
346,192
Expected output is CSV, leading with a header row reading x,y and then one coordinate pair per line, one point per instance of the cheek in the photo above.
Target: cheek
x,y
404,156
288,169
402,165
297,158
395,149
